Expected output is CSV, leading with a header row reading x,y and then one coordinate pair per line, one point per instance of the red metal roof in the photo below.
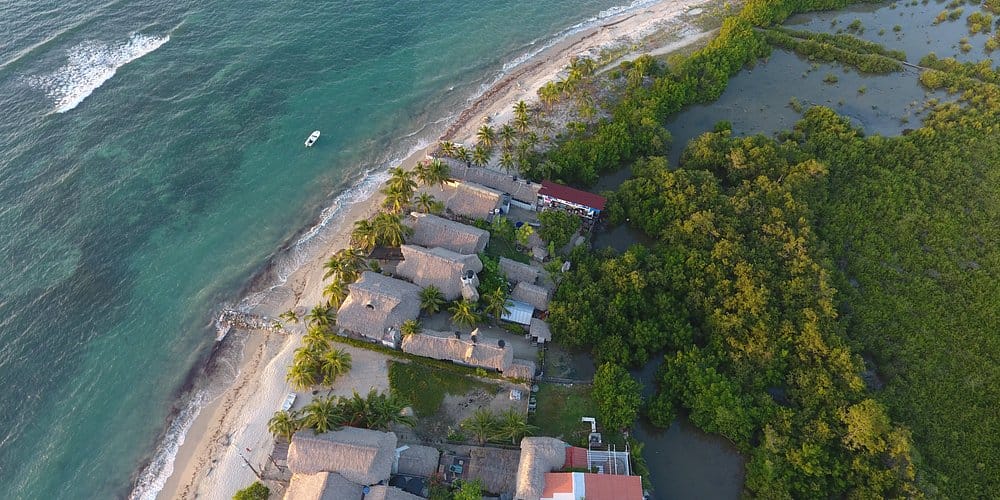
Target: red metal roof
x,y
612,487
557,482
567,193
576,457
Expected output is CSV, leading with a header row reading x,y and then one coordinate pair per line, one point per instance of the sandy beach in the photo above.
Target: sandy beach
x,y
232,429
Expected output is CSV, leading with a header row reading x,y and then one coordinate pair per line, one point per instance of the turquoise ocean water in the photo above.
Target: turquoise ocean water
x,y
151,162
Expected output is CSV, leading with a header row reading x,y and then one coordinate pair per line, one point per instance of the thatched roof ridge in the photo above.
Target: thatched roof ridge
x,y
521,368
418,461
538,456
376,303
473,201
383,492
540,330
322,486
360,455
532,294
518,272
494,467
440,267
446,347
433,231
522,190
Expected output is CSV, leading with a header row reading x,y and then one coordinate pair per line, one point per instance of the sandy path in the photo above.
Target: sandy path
x,y
210,464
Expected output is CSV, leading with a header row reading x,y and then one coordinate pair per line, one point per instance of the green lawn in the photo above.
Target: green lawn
x,y
425,387
500,247
559,411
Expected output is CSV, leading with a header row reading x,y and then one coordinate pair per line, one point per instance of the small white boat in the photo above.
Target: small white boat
x,y
313,137
288,402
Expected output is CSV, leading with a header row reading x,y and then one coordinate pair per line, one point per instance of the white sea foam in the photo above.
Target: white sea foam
x,y
155,475
89,65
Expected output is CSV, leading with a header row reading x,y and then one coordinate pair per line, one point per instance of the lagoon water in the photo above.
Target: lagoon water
x,y
151,161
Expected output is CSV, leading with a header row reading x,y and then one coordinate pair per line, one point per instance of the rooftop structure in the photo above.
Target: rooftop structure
x,y
581,485
535,295
522,369
416,460
539,455
377,305
520,190
474,201
582,203
383,492
440,267
518,312
539,330
433,231
322,486
361,456
494,467
518,272
446,347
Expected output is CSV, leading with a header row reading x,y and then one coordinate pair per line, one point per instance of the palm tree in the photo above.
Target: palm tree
x,y
462,153
482,424
549,94
289,316
507,136
410,327
513,425
333,364
426,203
363,235
302,376
389,229
283,425
401,180
448,148
486,136
463,313
496,304
507,161
322,414
345,265
315,339
321,316
439,172
395,201
520,109
336,292
385,410
431,299
480,156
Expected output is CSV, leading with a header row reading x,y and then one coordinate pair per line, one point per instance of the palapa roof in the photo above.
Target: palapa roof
x,y
383,492
376,303
360,455
494,467
566,193
433,231
522,190
540,330
418,461
473,201
322,486
518,272
532,294
446,347
437,266
521,368
538,456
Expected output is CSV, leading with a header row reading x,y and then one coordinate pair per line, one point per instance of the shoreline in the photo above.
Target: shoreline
x,y
208,460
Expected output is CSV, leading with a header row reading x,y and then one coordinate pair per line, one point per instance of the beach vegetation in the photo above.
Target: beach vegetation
x,y
428,204
321,316
410,327
464,313
256,491
316,338
389,229
284,424
522,117
495,303
426,384
507,161
363,235
512,424
401,181
483,425
557,227
345,265
486,137
431,300
289,316
481,155
433,172
336,292
333,363
395,201
508,136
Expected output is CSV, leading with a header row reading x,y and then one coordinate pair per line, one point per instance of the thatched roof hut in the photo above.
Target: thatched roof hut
x,y
540,330
521,368
518,272
473,201
360,455
437,266
378,303
532,294
446,347
383,492
521,190
417,460
494,467
433,231
322,486
538,456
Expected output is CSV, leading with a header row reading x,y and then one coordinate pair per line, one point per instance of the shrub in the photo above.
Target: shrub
x,y
256,491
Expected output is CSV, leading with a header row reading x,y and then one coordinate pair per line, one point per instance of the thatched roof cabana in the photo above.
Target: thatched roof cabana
x,y
417,460
538,456
494,467
473,201
322,486
446,347
521,190
540,330
433,231
383,492
521,368
518,272
437,266
360,455
532,294
378,303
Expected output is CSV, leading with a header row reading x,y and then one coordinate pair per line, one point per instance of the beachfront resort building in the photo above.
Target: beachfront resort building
x,y
472,201
471,352
432,231
377,305
517,272
560,197
542,457
522,192
452,273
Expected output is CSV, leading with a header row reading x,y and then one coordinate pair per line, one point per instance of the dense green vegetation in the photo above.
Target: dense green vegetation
x,y
866,56
426,387
618,396
375,411
256,491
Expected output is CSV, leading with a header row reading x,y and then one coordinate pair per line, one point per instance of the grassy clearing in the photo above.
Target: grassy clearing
x,y
426,387
559,411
